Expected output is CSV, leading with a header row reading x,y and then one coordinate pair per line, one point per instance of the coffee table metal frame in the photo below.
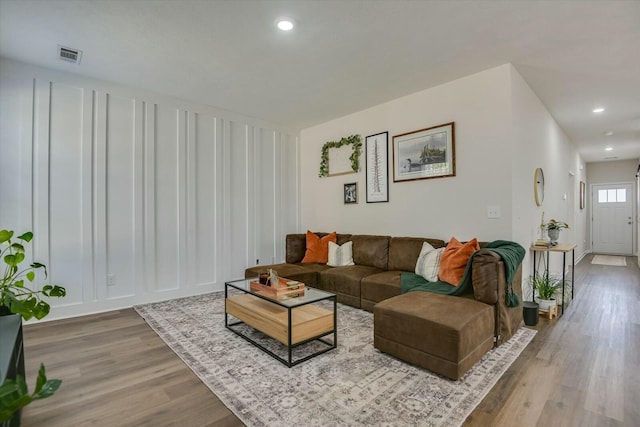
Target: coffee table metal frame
x,y
290,304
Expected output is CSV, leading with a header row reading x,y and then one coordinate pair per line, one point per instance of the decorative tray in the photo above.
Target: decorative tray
x,y
286,289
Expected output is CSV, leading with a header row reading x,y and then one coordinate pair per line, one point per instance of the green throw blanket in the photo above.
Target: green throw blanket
x,y
511,253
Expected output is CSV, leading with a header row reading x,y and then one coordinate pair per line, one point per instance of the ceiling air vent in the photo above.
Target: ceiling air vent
x,y
69,54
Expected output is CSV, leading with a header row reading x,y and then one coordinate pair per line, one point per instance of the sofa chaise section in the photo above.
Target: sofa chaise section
x,y
447,335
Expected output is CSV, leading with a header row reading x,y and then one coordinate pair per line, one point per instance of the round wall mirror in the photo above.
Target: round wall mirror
x,y
538,186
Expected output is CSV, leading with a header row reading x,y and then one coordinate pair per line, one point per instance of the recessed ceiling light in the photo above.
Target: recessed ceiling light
x,y
608,132
608,149
285,24
598,110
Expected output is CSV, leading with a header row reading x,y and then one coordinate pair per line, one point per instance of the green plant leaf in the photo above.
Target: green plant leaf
x,y
19,257
58,291
26,236
38,265
8,391
48,389
31,276
42,378
10,259
30,302
19,283
14,259
41,310
5,235
18,307
18,247
22,384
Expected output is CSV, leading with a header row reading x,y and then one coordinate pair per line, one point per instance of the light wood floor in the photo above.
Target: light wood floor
x,y
580,370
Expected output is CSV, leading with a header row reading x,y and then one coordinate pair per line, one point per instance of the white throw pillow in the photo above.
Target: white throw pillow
x,y
428,262
340,256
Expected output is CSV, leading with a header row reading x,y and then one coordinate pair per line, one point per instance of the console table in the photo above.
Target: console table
x,y
563,248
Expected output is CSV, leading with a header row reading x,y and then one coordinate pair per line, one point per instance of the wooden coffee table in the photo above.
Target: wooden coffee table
x,y
293,321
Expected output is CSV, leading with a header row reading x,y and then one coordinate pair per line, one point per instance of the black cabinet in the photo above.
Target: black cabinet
x,y
11,355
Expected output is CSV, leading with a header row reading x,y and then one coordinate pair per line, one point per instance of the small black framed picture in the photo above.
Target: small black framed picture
x,y
351,193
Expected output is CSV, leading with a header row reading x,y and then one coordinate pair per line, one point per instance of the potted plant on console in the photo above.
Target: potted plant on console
x,y
19,298
553,230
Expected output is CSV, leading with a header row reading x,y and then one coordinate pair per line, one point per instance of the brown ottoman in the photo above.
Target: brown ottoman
x,y
445,334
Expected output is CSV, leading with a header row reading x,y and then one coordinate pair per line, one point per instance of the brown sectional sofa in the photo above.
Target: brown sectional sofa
x,y
443,333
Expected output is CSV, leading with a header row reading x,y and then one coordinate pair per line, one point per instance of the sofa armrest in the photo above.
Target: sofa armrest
x,y
487,275
490,286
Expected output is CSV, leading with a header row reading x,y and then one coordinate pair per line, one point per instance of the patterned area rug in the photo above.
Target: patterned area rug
x,y
616,261
352,385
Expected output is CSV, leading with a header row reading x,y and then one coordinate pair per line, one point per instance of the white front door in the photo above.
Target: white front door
x,y
612,218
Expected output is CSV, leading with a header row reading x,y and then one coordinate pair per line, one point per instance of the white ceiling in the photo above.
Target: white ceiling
x,y
345,56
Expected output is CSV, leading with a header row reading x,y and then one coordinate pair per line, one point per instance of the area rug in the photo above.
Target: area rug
x,y
616,261
353,385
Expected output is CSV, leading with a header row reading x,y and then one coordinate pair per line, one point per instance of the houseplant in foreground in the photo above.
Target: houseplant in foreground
x,y
18,299
14,394
15,296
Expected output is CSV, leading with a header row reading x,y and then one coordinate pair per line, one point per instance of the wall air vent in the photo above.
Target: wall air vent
x,y
69,54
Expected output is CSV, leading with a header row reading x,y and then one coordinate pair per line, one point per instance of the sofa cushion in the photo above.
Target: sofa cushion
x,y
318,247
381,286
404,251
345,281
454,260
428,264
372,251
340,255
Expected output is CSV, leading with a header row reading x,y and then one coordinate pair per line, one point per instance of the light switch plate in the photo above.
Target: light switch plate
x,y
493,212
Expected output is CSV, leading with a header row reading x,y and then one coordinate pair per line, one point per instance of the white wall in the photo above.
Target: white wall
x,y
169,197
503,132
439,208
539,141
612,171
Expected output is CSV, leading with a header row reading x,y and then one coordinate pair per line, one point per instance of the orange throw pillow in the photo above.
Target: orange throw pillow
x,y
454,260
317,248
